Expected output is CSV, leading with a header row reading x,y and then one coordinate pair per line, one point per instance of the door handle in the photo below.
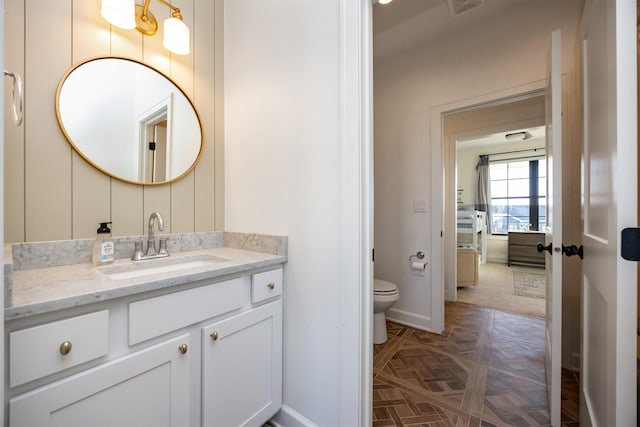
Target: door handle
x,y
542,248
573,250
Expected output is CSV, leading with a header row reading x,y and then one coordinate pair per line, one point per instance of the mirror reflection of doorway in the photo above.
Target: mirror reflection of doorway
x,y
156,156
155,142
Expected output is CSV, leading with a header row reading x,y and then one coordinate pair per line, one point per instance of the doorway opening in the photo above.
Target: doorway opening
x,y
476,255
155,144
500,217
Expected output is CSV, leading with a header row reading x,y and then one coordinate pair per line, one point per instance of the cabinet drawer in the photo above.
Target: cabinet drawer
x,y
157,316
38,351
266,285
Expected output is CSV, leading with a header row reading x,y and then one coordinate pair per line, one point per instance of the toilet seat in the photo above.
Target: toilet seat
x,y
382,287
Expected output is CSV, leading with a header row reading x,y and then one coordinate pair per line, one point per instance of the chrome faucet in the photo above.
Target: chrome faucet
x,y
138,254
151,241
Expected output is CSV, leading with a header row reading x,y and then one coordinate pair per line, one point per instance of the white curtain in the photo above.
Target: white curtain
x,y
483,190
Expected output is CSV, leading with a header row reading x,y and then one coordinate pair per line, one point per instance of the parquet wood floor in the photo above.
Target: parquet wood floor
x,y
487,369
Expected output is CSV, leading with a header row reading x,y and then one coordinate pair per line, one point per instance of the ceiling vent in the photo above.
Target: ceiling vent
x,y
456,7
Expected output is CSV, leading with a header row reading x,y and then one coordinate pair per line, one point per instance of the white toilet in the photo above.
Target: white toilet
x,y
385,294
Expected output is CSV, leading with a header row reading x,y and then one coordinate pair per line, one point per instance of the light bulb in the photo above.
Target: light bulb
x,y
384,1
176,36
121,13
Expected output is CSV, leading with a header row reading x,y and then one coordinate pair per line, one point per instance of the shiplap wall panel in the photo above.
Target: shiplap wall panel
x,y
57,195
126,43
183,191
158,199
47,153
127,210
91,189
13,135
182,65
153,53
183,205
204,65
218,127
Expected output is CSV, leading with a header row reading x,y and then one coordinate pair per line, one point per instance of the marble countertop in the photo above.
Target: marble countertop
x,y
58,287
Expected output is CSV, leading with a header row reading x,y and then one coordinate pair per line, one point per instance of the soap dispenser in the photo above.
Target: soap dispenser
x,y
103,247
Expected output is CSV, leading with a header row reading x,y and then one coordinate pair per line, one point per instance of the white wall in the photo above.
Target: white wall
x,y
499,53
290,157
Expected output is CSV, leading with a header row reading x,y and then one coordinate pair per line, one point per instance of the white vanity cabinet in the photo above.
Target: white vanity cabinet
x,y
242,360
146,388
242,368
206,354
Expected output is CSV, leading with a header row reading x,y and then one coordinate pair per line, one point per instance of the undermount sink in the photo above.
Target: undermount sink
x,y
136,269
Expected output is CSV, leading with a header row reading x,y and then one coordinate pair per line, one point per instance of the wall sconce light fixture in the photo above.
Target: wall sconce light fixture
x,y
128,15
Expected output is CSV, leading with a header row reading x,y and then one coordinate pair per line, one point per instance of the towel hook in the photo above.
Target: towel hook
x,y
16,101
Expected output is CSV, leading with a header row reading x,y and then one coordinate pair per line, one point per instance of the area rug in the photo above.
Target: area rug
x,y
529,284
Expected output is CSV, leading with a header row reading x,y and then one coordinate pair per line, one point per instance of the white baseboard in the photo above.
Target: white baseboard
x,y
409,319
497,260
287,417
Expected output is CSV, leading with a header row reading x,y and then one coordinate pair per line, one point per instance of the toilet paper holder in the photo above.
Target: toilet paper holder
x,y
417,263
419,255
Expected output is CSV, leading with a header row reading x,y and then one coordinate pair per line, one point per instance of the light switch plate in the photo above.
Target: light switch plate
x,y
419,206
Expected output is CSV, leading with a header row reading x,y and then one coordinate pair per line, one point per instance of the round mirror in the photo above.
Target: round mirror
x,y
129,120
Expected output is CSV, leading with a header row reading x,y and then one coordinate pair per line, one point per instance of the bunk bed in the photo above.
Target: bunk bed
x,y
471,245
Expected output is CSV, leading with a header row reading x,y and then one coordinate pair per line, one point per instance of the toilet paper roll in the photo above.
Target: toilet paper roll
x,y
416,265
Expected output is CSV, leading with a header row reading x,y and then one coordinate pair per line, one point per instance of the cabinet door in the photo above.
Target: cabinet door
x,y
146,388
242,368
467,267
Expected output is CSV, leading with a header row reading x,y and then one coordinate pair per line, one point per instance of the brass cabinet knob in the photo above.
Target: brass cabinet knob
x,y
214,335
183,348
65,348
271,285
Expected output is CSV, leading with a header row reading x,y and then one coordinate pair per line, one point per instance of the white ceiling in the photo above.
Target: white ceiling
x,y
497,139
405,24
386,16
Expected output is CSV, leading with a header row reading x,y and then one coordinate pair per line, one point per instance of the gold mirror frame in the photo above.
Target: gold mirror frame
x,y
171,98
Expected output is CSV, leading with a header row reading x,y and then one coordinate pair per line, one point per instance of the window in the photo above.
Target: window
x,y
518,195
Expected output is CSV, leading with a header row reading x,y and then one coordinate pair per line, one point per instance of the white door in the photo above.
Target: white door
x,y
553,230
608,371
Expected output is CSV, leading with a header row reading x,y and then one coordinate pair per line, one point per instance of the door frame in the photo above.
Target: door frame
x,y
442,167
2,206
356,195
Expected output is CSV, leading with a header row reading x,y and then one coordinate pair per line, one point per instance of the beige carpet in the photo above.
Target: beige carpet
x,y
495,289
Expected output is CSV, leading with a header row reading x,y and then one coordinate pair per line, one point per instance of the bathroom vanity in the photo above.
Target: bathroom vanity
x,y
194,339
